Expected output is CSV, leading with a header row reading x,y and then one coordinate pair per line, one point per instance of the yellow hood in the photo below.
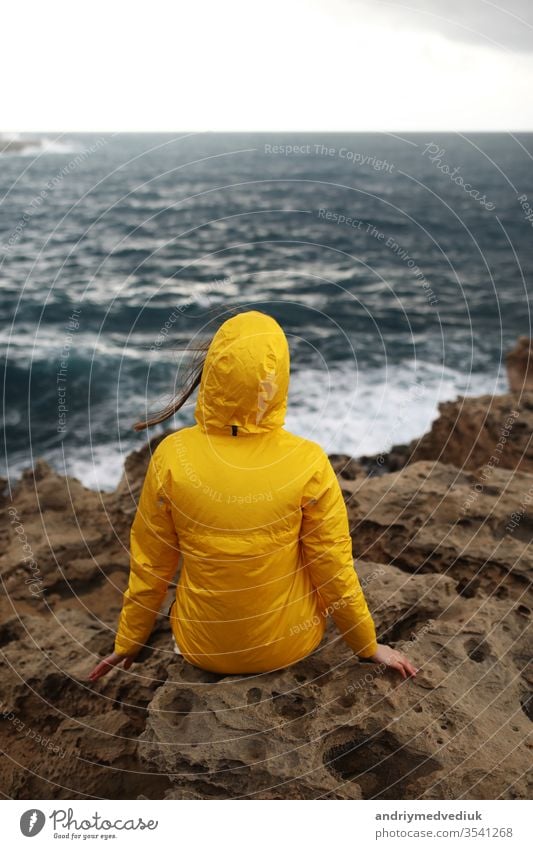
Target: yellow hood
x,y
245,379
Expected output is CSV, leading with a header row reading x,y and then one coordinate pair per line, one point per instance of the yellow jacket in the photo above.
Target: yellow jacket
x,y
256,516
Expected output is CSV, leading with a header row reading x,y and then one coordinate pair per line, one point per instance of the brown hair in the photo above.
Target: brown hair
x,y
191,380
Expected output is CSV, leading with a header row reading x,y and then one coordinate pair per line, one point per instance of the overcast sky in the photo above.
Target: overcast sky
x,y
167,65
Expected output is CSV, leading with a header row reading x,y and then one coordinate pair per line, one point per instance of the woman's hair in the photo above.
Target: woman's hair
x,y
191,380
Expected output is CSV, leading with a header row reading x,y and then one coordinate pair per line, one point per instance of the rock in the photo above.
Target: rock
x,y
444,555
79,740
135,468
519,364
41,470
346,468
470,433
334,728
431,517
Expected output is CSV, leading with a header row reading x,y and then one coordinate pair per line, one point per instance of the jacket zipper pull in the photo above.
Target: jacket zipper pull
x,y
234,430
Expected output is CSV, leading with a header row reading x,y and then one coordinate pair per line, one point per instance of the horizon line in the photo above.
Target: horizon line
x,y
267,131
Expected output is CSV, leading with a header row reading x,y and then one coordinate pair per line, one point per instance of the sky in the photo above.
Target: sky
x,y
240,65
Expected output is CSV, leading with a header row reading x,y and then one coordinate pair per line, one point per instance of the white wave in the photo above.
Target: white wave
x,y
13,144
345,411
369,412
96,467
101,469
56,146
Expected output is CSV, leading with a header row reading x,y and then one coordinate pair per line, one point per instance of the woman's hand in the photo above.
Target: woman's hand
x,y
394,659
108,663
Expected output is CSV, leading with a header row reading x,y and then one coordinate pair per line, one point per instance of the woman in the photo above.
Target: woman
x,y
257,517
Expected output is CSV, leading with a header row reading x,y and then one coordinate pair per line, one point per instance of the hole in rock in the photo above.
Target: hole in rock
x,y
381,765
291,705
526,703
253,696
477,651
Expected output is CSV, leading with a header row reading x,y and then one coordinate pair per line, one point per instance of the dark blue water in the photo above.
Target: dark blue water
x,y
413,298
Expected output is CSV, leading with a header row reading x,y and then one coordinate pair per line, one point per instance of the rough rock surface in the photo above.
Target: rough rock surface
x,y
444,555
332,728
470,433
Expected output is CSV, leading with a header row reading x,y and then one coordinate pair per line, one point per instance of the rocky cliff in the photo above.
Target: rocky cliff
x,y
443,550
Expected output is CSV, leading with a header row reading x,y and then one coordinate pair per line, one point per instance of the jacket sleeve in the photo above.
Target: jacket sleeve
x,y
154,554
327,553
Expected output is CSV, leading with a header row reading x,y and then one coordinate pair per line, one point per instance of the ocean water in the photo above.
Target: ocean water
x,y
399,266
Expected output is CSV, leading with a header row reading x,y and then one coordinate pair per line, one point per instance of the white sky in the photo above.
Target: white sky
x,y
167,65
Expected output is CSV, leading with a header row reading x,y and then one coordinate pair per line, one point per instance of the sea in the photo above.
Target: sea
x,y
400,267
